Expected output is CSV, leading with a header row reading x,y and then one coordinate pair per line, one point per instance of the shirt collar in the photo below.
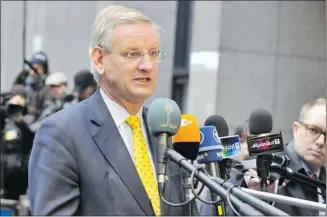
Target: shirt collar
x,y
118,113
308,170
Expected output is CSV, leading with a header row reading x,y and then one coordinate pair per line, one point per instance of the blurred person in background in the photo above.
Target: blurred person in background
x,y
57,83
84,84
16,141
242,132
84,87
37,91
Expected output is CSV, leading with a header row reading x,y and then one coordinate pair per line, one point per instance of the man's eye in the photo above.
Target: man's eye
x,y
134,54
313,130
154,53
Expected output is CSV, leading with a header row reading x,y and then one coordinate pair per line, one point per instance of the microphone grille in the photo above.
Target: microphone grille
x,y
220,123
164,116
260,121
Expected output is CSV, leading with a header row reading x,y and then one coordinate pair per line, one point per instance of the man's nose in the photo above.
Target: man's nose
x,y
321,140
145,63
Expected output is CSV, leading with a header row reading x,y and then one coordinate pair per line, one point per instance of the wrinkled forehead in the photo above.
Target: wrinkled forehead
x,y
316,116
135,36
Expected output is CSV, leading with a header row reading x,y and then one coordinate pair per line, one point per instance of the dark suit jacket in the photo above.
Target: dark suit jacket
x,y
80,165
292,189
296,190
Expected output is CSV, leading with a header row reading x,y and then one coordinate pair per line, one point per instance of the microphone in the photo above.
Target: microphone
x,y
244,208
164,119
186,142
210,153
187,139
231,145
262,143
219,122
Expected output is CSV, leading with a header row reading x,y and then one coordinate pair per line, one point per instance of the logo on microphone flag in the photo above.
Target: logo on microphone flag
x,y
215,135
168,109
231,146
201,137
186,122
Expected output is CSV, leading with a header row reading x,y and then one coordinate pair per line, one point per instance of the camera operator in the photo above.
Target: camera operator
x,y
58,85
16,144
37,92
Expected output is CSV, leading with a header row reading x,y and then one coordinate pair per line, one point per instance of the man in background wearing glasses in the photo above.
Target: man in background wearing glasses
x,y
307,153
98,157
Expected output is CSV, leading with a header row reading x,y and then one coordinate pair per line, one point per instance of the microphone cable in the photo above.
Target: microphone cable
x,y
229,191
192,187
197,195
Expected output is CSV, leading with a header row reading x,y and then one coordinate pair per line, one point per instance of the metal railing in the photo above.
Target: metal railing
x,y
19,207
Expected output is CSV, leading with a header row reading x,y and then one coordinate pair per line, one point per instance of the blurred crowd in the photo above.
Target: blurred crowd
x,y
36,93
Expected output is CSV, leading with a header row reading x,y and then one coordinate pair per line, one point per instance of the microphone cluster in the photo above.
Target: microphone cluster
x,y
211,145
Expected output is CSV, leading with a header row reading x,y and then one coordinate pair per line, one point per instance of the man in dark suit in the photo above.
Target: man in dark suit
x,y
307,153
98,157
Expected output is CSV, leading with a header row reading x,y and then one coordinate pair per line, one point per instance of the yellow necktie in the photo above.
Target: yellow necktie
x,y
143,163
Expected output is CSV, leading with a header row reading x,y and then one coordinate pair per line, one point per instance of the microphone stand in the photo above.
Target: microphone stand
x,y
289,174
243,208
226,165
266,208
188,194
263,163
213,170
286,200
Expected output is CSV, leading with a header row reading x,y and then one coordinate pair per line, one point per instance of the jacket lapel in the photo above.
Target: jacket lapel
x,y
112,146
297,190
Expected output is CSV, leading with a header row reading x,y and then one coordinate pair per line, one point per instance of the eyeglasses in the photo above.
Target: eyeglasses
x,y
313,131
155,55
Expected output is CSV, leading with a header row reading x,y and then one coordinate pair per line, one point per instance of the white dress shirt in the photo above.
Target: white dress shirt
x,y
120,115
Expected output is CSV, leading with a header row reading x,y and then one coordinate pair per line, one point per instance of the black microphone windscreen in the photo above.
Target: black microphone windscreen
x,y
260,122
220,123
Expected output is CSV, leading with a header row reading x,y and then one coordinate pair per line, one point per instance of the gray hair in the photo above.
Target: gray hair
x,y
105,22
309,105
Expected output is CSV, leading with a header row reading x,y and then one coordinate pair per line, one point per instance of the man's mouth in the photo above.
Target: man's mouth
x,y
142,79
315,152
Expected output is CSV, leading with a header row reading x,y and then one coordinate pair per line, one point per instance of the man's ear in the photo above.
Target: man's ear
x,y
97,59
296,126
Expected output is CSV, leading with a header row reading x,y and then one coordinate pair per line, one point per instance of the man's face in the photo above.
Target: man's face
x,y
38,68
131,79
310,144
58,90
